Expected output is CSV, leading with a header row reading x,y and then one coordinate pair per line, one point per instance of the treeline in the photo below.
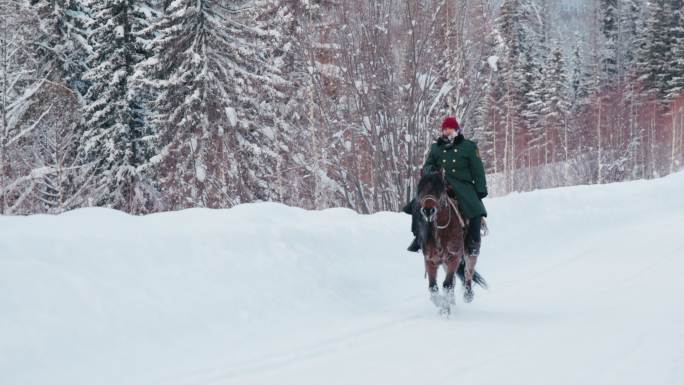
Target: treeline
x,y
596,107
150,105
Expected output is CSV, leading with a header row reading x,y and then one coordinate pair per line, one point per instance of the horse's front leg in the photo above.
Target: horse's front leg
x,y
452,265
470,262
431,270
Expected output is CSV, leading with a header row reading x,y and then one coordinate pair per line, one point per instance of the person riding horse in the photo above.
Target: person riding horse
x,y
460,160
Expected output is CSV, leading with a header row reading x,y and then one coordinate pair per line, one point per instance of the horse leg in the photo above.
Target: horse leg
x,y
435,298
470,262
431,269
448,284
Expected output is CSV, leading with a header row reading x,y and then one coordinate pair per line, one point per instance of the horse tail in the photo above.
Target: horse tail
x,y
480,280
477,278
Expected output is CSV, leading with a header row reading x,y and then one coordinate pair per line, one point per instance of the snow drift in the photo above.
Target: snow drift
x,y
585,288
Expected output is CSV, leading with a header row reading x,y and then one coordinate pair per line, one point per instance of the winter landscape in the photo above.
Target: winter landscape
x,y
209,192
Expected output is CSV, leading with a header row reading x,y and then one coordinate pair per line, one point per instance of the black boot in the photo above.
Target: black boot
x,y
414,245
473,238
474,249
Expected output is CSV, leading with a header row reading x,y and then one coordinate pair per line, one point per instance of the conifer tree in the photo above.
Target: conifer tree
x,y
115,135
215,78
64,46
654,54
609,27
557,105
675,85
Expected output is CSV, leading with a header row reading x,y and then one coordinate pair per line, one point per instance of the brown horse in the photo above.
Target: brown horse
x,y
441,233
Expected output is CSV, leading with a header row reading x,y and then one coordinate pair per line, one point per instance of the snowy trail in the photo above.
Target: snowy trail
x,y
586,287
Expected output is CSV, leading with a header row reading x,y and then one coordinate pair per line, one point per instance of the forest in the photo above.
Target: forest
x,y
157,105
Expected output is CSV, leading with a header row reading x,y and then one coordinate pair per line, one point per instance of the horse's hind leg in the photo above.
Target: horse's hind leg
x,y
470,262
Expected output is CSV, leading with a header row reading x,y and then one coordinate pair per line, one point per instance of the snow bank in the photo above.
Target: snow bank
x,y
585,288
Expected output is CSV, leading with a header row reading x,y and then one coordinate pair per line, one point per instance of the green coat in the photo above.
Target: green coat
x,y
463,170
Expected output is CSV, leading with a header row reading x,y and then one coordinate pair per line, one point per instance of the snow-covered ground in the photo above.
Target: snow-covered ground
x,y
586,288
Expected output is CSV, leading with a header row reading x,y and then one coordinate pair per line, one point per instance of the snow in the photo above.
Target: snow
x,y
200,171
493,62
232,116
585,288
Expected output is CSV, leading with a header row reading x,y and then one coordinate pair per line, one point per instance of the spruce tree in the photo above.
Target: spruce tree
x,y
217,90
675,85
654,54
64,44
115,136
557,104
609,28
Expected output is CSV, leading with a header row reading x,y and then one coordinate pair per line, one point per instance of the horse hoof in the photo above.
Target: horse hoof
x,y
450,297
468,296
436,299
445,311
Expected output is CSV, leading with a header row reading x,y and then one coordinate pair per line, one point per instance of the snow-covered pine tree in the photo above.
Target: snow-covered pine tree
x,y
215,116
654,54
116,136
631,21
610,29
579,79
675,86
517,26
487,114
507,25
557,106
64,47
654,72
630,27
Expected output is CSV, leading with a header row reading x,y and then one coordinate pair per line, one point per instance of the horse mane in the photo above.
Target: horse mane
x,y
433,179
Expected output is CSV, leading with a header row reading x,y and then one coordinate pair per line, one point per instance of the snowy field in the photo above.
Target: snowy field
x,y
586,287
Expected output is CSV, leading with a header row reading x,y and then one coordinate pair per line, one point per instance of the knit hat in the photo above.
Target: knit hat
x,y
450,122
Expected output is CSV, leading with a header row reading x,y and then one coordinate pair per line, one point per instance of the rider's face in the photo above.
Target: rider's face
x,y
448,132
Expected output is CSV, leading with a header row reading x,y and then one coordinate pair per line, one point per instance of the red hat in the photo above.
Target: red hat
x,y
450,122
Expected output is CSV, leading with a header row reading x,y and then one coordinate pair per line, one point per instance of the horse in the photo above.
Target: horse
x,y
441,235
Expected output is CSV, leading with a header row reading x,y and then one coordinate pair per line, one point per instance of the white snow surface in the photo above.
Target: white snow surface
x,y
585,288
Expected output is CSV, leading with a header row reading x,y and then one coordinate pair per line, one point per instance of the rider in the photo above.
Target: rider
x,y
464,173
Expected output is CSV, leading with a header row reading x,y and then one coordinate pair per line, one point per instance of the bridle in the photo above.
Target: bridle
x,y
440,203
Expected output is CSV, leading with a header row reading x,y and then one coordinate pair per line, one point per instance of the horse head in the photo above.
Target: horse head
x,y
431,191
